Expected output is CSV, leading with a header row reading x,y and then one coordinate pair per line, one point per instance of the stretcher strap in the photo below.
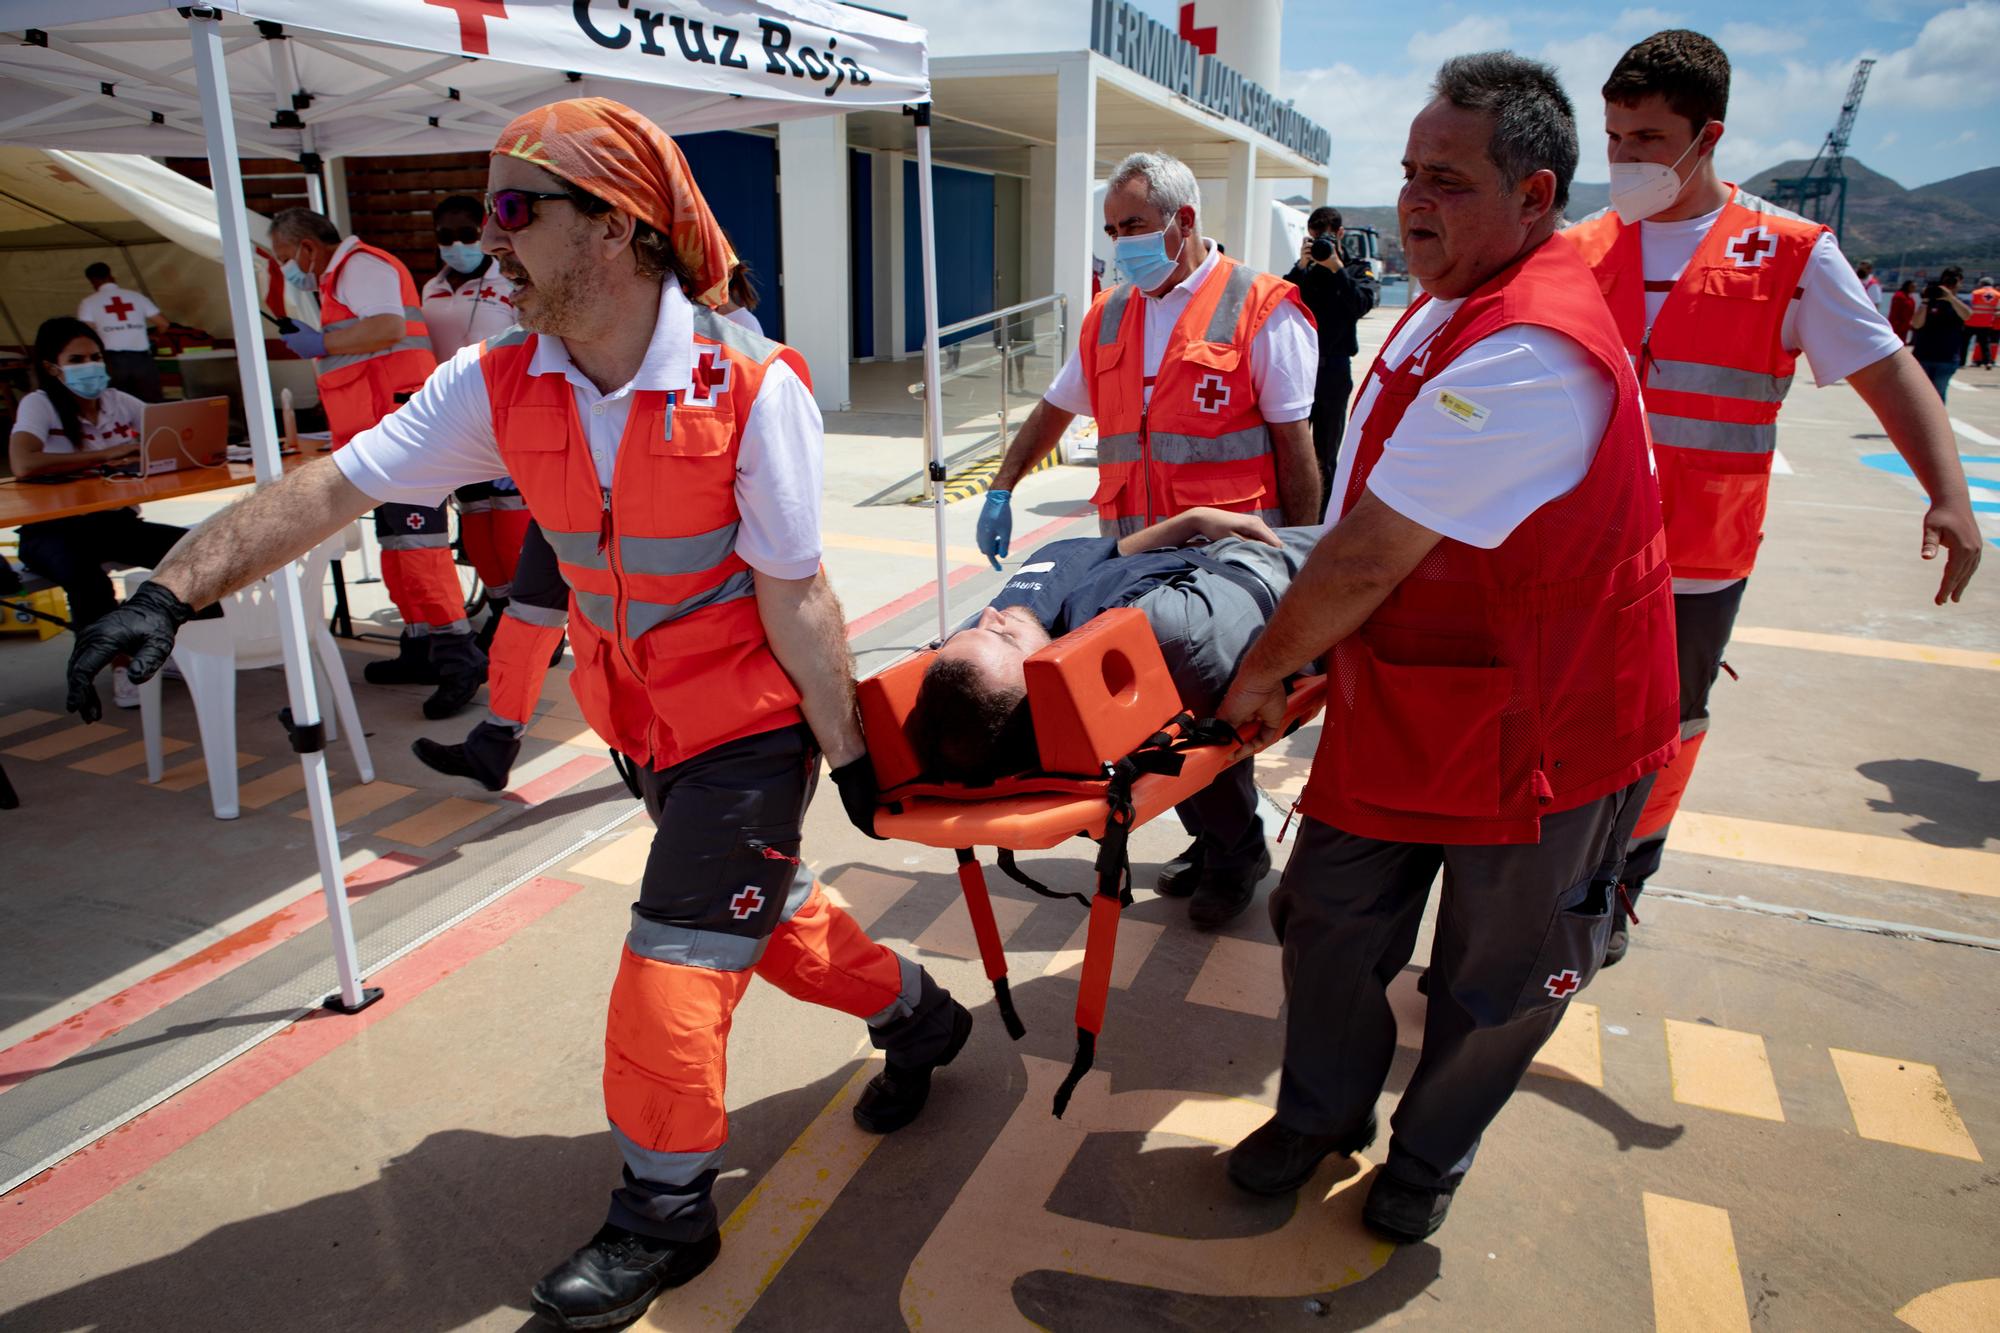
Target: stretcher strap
x,y
1004,858
979,906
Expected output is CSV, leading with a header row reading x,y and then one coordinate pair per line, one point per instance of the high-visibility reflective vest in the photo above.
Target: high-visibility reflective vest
x,y
1491,688
671,658
1985,303
1201,439
1714,370
360,389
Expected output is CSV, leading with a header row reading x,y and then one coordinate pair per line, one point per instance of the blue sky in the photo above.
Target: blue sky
x,y
1361,70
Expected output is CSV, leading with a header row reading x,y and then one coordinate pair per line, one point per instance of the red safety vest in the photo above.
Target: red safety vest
x,y
1714,370
1985,303
1492,688
359,390
671,655
1201,440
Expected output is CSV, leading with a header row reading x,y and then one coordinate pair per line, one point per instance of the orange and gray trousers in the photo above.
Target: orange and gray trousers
x,y
417,567
492,524
1702,624
531,627
725,898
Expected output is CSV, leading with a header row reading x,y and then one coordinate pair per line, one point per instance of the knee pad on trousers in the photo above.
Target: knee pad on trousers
x,y
517,666
666,1038
423,583
492,540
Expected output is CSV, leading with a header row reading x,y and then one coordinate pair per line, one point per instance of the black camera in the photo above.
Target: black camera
x,y
1322,247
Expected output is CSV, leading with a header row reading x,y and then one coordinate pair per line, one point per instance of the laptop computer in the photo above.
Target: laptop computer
x,y
191,433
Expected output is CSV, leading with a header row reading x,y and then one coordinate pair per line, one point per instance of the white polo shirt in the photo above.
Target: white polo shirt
x,y
479,308
1284,356
118,316
364,284
443,439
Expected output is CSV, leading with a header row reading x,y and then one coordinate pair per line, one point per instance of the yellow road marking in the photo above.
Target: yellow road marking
x,y
951,934
1697,1286
195,772
62,742
1240,975
774,1219
964,555
1902,1102
1835,853
565,732
1722,1069
1575,1050
260,792
1135,944
622,860
437,822
1956,1308
360,801
1856,646
124,757
866,894
25,718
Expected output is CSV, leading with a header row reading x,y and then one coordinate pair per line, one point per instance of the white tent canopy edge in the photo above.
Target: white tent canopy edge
x,y
52,83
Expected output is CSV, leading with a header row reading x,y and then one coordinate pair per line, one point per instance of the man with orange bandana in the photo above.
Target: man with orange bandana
x,y
672,460
372,352
1200,374
1716,293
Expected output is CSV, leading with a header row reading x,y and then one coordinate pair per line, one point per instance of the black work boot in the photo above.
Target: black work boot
x,y
1182,875
1403,1213
461,669
410,666
610,1282
1223,895
497,607
486,756
1275,1160
896,1096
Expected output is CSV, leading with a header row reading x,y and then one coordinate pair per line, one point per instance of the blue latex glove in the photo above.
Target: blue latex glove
x,y
305,342
996,526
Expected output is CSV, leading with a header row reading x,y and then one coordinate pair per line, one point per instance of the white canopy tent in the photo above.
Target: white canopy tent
x,y
309,80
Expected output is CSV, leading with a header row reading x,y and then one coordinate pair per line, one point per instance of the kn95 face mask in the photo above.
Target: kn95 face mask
x,y
1640,190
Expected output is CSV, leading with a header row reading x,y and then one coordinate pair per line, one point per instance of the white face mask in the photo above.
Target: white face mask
x,y
1641,189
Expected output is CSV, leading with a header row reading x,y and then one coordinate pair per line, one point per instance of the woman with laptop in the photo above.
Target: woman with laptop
x,y
76,421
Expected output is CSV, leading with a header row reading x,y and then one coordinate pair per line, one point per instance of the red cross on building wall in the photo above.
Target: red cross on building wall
x,y
1201,39
1751,248
118,307
472,16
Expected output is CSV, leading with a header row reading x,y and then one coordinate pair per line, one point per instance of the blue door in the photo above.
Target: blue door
x,y
964,217
861,250
738,175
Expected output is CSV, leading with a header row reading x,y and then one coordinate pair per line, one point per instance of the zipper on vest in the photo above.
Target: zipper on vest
x,y
604,522
1146,462
609,548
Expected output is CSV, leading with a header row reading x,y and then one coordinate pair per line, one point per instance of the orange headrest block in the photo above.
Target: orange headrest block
x,y
1098,692
885,700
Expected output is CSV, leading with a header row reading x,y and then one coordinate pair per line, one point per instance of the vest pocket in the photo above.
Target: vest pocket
x,y
1213,356
1423,738
532,428
1714,517
1110,484
1639,691
697,432
1241,492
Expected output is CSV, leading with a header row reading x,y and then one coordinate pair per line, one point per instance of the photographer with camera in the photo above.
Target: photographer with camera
x,y
1333,292
1937,329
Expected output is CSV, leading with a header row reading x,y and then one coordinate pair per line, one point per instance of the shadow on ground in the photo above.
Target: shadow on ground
x,y
1952,806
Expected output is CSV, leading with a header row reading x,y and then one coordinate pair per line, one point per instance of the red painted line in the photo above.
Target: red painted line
x,y
53,1045
38,1206
558,780
917,596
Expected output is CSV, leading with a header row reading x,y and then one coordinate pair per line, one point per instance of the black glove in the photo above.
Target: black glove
x,y
858,794
144,626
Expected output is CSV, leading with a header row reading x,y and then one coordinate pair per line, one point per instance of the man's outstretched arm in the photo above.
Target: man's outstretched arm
x,y
1900,394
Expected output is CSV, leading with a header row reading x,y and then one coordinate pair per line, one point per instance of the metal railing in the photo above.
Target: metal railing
x,y
1018,340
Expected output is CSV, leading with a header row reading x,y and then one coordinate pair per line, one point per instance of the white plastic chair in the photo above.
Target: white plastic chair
x,y
209,653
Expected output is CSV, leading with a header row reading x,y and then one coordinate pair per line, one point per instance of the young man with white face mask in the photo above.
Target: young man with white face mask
x,y
1716,293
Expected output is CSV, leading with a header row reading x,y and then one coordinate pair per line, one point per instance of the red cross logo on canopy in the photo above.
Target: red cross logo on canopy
x,y
745,904
1211,394
118,307
1563,984
472,16
1751,248
711,378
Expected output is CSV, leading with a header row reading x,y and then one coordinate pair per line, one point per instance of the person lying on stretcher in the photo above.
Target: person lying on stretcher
x,y
1206,580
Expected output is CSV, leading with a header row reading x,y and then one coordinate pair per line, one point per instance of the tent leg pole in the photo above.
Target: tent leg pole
x,y
205,35
933,391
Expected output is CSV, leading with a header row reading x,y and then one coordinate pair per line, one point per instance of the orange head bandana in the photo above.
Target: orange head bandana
x,y
609,150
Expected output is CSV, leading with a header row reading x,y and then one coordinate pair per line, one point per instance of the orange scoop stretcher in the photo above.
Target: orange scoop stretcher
x,y
1116,748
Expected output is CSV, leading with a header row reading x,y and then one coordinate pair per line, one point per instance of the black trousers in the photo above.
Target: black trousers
x,y
72,553
1520,930
1332,389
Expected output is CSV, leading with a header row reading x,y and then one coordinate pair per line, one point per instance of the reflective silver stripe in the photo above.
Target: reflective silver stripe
x,y
1120,527
643,616
500,590
803,882
576,548
454,627
1690,730
415,541
597,608
904,1004
676,1169
342,361
1122,448
1721,381
1114,314
733,335
1728,437
1222,324
676,555
494,719
512,337
1750,201
689,946
1236,446
545,616
509,501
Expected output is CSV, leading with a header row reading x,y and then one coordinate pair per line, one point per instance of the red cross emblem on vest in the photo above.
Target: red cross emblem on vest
x,y
1751,248
711,377
118,307
1563,984
745,904
1211,394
